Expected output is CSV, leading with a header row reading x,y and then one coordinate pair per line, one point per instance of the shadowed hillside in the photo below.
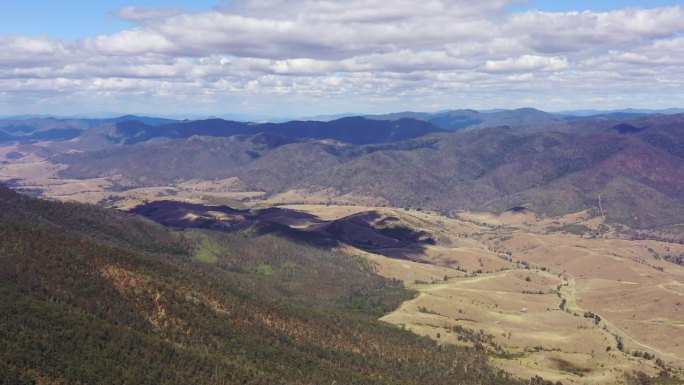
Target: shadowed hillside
x,y
368,231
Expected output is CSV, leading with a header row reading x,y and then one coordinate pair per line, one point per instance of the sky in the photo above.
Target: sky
x,y
313,57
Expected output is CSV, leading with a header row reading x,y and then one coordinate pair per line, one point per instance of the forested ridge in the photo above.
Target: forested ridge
x,y
90,296
635,165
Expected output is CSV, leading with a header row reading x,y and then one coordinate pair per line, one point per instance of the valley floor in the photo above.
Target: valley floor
x,y
549,303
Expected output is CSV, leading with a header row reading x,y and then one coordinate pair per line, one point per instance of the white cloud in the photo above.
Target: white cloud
x,y
576,31
526,63
130,42
146,15
23,51
393,52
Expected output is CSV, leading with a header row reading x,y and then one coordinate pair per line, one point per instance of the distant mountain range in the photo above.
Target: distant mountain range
x,y
460,119
639,111
48,128
355,130
636,165
130,129
446,161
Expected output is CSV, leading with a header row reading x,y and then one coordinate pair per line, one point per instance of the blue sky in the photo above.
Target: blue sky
x,y
597,5
311,57
73,19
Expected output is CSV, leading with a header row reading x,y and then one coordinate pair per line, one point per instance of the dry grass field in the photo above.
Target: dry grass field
x,y
32,173
500,281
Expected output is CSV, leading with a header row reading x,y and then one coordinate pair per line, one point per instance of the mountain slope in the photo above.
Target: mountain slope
x,y
81,310
108,227
53,134
552,172
355,130
459,119
265,161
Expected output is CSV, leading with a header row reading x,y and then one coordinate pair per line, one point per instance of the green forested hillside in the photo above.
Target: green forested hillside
x,y
636,166
101,298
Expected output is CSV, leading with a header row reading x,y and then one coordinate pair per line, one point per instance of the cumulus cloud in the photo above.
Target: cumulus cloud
x,y
145,15
526,63
23,51
576,31
396,52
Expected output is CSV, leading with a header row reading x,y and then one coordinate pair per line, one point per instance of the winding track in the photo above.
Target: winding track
x,y
618,331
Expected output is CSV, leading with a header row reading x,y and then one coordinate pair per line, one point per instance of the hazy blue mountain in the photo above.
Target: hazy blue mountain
x,y
51,128
151,121
355,130
461,119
